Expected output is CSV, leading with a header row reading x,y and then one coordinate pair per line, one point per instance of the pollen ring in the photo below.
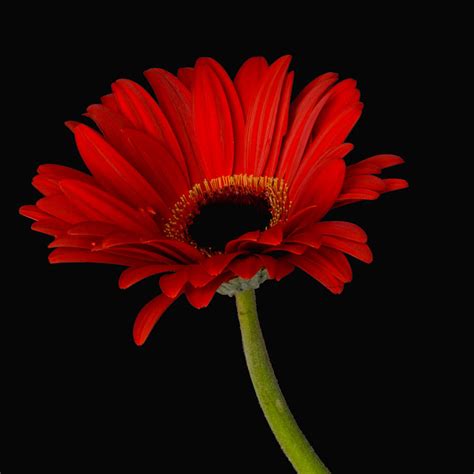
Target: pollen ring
x,y
240,186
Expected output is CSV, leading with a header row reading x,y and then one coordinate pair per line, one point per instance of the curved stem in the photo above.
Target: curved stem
x,y
291,439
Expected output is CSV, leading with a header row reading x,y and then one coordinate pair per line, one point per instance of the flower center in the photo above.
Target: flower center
x,y
217,211
221,220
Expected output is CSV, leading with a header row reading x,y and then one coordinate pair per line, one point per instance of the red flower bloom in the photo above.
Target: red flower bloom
x,y
212,148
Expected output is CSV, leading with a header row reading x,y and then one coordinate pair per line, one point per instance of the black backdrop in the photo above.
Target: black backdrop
x,y
351,366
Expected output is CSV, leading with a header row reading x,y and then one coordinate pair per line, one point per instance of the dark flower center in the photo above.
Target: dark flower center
x,y
219,210
219,221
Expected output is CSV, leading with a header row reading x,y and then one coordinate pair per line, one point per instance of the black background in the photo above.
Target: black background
x,y
353,367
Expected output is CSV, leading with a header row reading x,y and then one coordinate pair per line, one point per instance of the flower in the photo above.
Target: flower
x,y
216,185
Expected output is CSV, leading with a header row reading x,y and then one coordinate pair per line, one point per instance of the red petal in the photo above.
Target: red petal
x,y
233,245
126,106
246,267
360,184
306,236
283,269
298,135
314,84
314,268
312,161
198,276
277,268
148,317
248,81
153,251
59,172
374,165
153,160
394,184
186,76
67,255
342,96
301,218
269,168
296,249
32,212
355,249
140,255
120,238
172,284
52,227
175,101
72,241
201,297
346,230
47,181
99,229
150,118
365,181
262,116
146,255
333,262
114,173
269,263
337,263
133,275
111,124
337,131
139,108
45,186
98,205
216,264
181,251
235,107
59,206
356,195
71,125
272,236
110,102
321,188
329,263
212,122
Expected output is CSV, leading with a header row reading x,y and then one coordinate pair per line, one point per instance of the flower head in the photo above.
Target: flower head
x,y
216,185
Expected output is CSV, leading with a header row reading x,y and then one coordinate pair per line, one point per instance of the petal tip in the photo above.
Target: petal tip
x,y
72,125
138,339
123,285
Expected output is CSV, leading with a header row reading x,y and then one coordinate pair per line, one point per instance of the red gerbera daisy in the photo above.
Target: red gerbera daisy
x,y
209,148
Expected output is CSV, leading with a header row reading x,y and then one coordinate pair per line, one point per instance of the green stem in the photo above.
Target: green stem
x,y
276,411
